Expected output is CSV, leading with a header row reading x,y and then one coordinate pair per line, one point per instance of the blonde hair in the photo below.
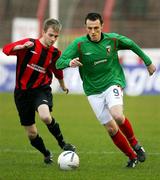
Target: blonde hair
x,y
53,23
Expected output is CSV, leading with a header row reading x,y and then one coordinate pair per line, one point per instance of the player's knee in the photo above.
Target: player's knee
x,y
112,131
32,134
46,118
118,117
112,128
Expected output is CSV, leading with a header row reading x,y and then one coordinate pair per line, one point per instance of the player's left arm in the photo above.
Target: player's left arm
x,y
59,73
63,86
151,69
126,43
59,76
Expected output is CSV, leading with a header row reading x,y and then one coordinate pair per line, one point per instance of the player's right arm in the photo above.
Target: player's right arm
x,y
69,57
13,48
75,62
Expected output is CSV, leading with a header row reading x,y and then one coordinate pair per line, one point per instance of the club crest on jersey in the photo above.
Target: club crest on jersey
x,y
108,49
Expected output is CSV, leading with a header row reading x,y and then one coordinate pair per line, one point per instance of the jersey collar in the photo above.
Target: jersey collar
x,y
102,37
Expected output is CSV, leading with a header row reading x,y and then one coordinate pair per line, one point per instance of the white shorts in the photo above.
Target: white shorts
x,y
101,103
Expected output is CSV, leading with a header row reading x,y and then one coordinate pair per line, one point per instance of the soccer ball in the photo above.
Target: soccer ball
x,y
68,160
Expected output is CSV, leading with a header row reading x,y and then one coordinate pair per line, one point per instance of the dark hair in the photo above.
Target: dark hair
x,y
94,17
53,23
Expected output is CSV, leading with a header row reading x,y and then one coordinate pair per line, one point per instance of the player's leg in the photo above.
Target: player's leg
x,y
127,130
116,110
121,142
98,104
24,103
37,142
53,127
44,107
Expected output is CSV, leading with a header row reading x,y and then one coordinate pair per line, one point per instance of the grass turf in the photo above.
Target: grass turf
x,y
99,158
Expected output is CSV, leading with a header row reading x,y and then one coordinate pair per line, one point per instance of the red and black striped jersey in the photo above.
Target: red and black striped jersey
x,y
35,65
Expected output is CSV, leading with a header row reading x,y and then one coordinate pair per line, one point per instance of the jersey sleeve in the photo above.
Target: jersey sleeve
x,y
57,72
68,54
8,48
126,43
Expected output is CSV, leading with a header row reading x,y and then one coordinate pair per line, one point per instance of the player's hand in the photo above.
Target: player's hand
x,y
75,63
66,90
151,69
28,44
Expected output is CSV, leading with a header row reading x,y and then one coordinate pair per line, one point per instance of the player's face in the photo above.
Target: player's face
x,y
50,37
94,29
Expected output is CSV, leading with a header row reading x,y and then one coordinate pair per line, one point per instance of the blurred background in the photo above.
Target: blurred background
x,y
137,19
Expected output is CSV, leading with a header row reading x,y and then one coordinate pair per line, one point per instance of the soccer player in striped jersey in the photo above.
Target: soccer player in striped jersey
x,y
96,55
36,60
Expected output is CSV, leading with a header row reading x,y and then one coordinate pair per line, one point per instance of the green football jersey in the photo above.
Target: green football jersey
x,y
101,67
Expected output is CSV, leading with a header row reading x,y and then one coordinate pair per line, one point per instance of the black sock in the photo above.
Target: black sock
x,y
56,132
39,145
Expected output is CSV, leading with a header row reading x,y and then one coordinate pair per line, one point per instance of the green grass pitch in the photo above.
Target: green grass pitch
x,y
99,158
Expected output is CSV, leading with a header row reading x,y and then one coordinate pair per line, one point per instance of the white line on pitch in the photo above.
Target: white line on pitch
x,y
79,152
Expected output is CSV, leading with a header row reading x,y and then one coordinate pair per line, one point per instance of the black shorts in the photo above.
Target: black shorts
x,y
27,102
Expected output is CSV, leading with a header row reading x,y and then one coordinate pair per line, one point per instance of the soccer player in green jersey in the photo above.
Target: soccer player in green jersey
x,y
96,55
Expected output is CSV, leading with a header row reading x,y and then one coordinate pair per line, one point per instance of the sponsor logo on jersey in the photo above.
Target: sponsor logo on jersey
x,y
88,53
36,68
100,61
